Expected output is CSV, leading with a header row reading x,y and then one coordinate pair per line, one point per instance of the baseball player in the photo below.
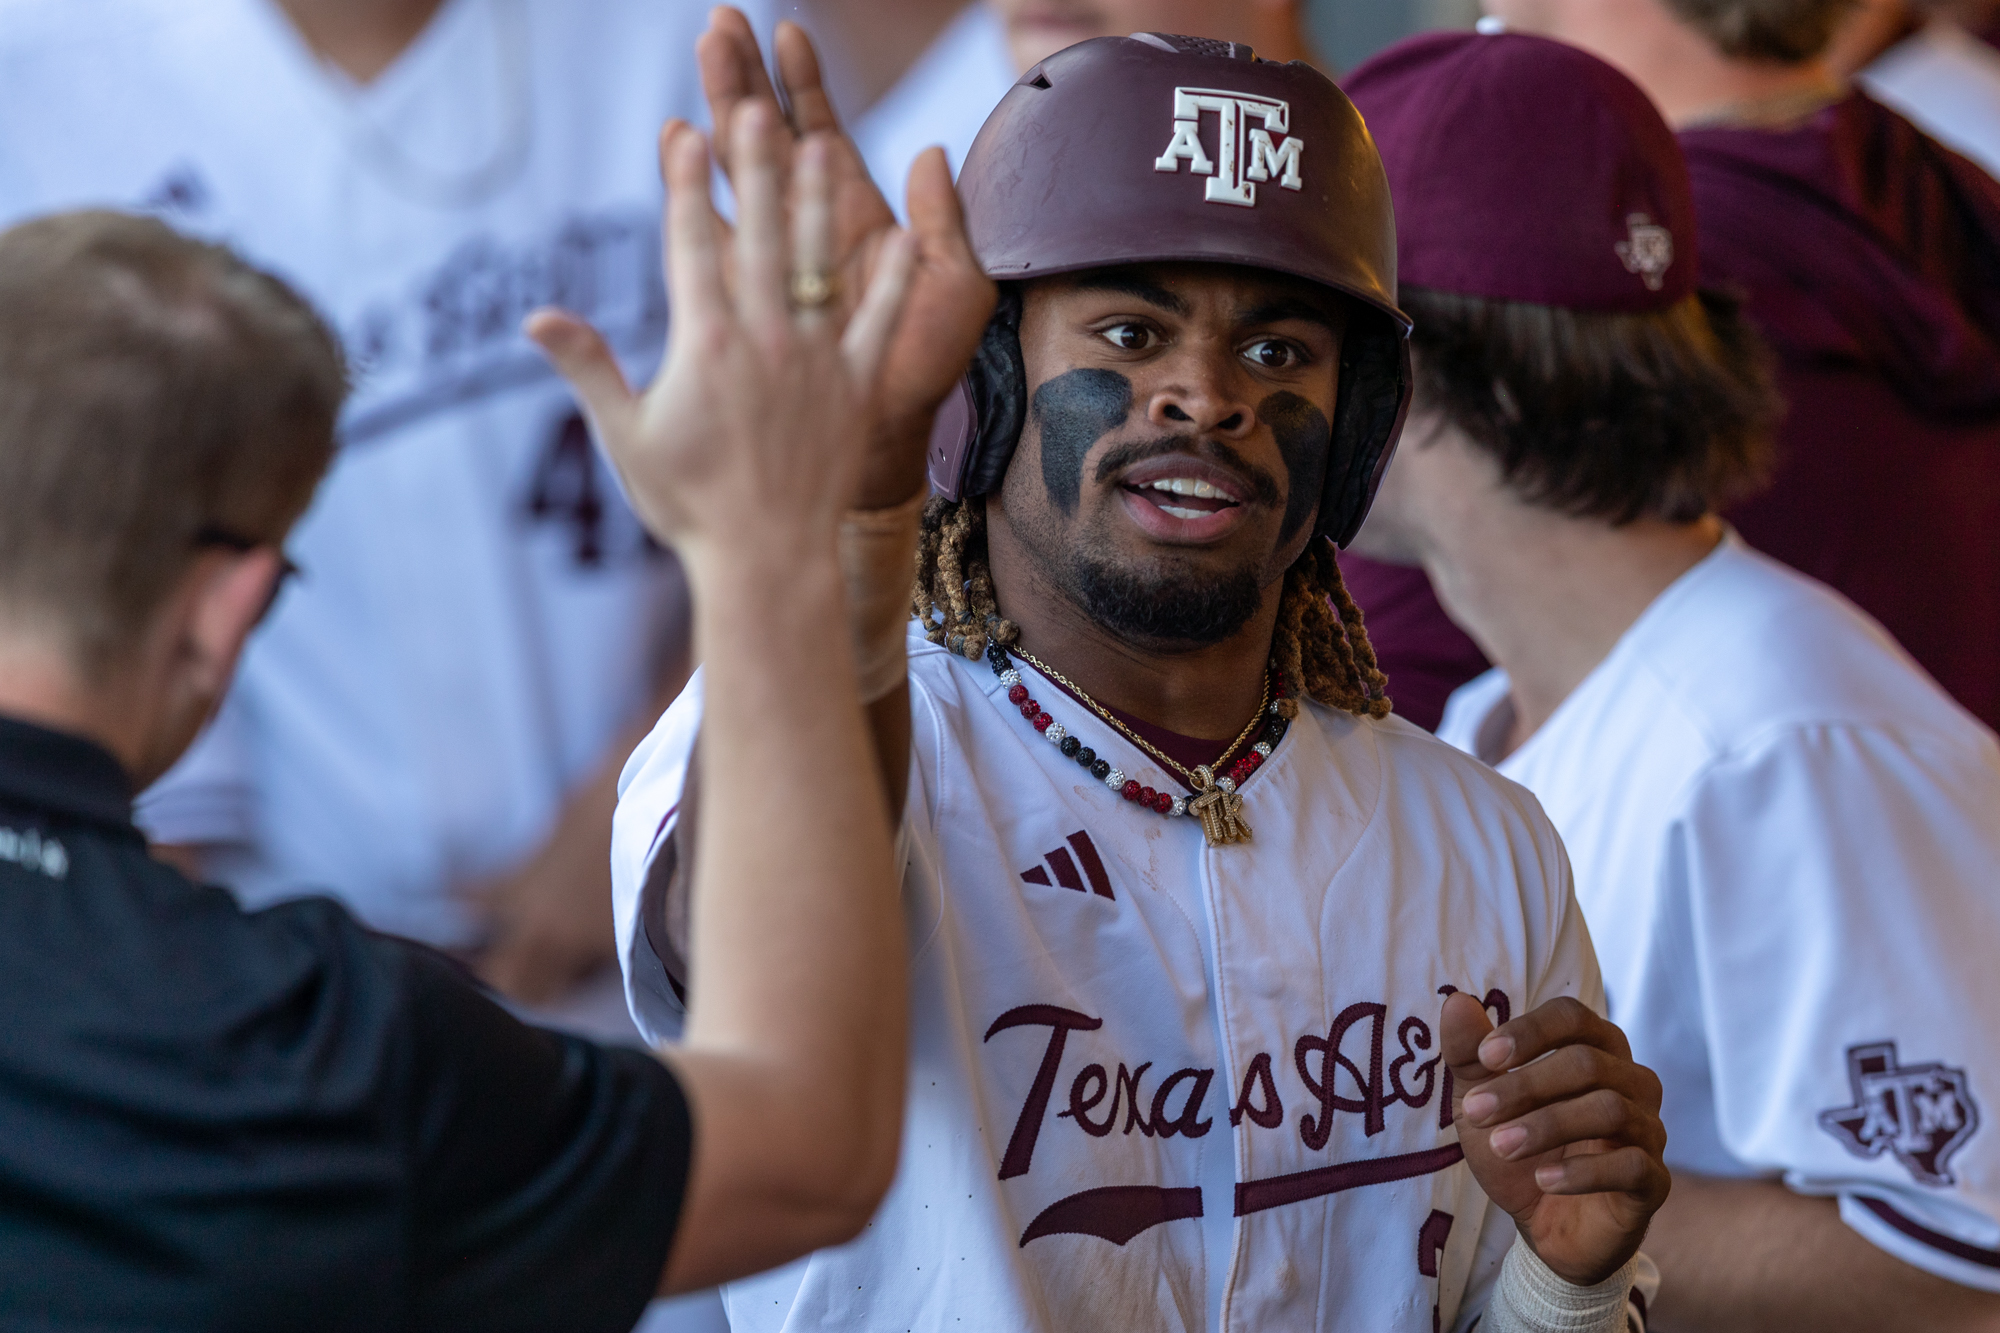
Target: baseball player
x,y
1202,938
1784,834
1869,256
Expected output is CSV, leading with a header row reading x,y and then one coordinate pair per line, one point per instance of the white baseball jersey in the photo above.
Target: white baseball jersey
x,y
480,615
1948,82
1156,1084
1786,840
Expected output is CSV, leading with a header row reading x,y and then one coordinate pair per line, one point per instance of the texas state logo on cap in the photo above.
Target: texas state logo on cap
x,y
1524,169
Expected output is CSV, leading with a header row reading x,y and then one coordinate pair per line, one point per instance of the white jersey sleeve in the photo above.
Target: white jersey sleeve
x,y
650,790
1838,883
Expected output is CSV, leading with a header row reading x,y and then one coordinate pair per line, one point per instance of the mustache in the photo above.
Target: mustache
x,y
1264,487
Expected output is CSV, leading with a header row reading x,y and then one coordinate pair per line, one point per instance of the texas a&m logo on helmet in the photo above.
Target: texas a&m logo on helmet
x,y
1922,1113
1245,153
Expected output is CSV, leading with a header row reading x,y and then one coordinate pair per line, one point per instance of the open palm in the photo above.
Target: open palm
x,y
949,298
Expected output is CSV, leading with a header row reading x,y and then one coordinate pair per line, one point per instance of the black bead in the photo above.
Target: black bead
x,y
1086,756
1100,770
995,651
1070,745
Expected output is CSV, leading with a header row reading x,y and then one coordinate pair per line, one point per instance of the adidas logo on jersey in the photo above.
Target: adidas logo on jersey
x,y
1065,868
1245,153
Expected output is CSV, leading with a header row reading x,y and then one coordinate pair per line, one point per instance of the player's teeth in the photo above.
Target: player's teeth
x,y
1205,491
1179,512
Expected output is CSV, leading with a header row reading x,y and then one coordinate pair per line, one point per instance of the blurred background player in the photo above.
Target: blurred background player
x,y
1783,833
220,1119
1870,256
1936,61
431,728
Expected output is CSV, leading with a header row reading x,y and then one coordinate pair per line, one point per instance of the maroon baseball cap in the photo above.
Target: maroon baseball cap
x,y
1524,169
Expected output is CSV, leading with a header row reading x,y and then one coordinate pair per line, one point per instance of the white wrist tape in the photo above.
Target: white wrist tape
x,y
1531,1298
878,561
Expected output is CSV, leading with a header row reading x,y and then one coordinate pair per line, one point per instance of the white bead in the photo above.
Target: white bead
x,y
1263,748
1227,784
1179,807
1010,677
1055,733
1115,779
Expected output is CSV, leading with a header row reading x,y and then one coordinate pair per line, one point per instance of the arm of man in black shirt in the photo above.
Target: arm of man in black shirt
x,y
744,454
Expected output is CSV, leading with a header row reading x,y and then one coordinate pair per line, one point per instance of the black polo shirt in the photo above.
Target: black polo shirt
x,y
220,1120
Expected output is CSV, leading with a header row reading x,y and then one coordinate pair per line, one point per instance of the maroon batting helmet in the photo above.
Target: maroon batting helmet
x,y
1156,148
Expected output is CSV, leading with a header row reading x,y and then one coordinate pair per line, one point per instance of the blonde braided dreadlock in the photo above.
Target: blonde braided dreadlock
x,y
1320,645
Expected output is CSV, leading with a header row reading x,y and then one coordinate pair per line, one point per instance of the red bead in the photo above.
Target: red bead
x,y
1254,760
1163,802
1030,708
1018,694
1043,722
1146,796
1131,791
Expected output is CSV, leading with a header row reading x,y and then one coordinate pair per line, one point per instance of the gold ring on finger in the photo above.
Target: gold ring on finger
x,y
812,289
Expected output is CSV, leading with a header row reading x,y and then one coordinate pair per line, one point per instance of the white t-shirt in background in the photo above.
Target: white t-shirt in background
x,y
480,615
1948,82
1786,840
943,98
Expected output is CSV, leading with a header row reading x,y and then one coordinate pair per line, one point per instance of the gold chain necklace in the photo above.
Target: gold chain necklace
x,y
1215,803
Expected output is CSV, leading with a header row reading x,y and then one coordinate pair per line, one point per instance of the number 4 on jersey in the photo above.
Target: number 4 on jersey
x,y
568,488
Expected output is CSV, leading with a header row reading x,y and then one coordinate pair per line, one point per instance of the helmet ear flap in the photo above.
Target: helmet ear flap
x,y
980,424
1375,385
999,384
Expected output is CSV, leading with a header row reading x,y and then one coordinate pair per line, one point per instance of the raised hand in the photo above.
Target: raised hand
x,y
1561,1129
754,431
950,297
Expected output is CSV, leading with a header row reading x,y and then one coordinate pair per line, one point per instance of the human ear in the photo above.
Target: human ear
x,y
229,594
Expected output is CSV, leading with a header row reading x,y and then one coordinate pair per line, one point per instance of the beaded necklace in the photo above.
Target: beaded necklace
x,y
1215,801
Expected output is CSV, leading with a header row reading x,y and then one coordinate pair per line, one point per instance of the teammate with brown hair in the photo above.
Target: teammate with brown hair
x,y
187,403
1783,834
1868,256
1619,415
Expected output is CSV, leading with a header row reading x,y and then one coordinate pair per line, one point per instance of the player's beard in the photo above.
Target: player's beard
x,y
1163,605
